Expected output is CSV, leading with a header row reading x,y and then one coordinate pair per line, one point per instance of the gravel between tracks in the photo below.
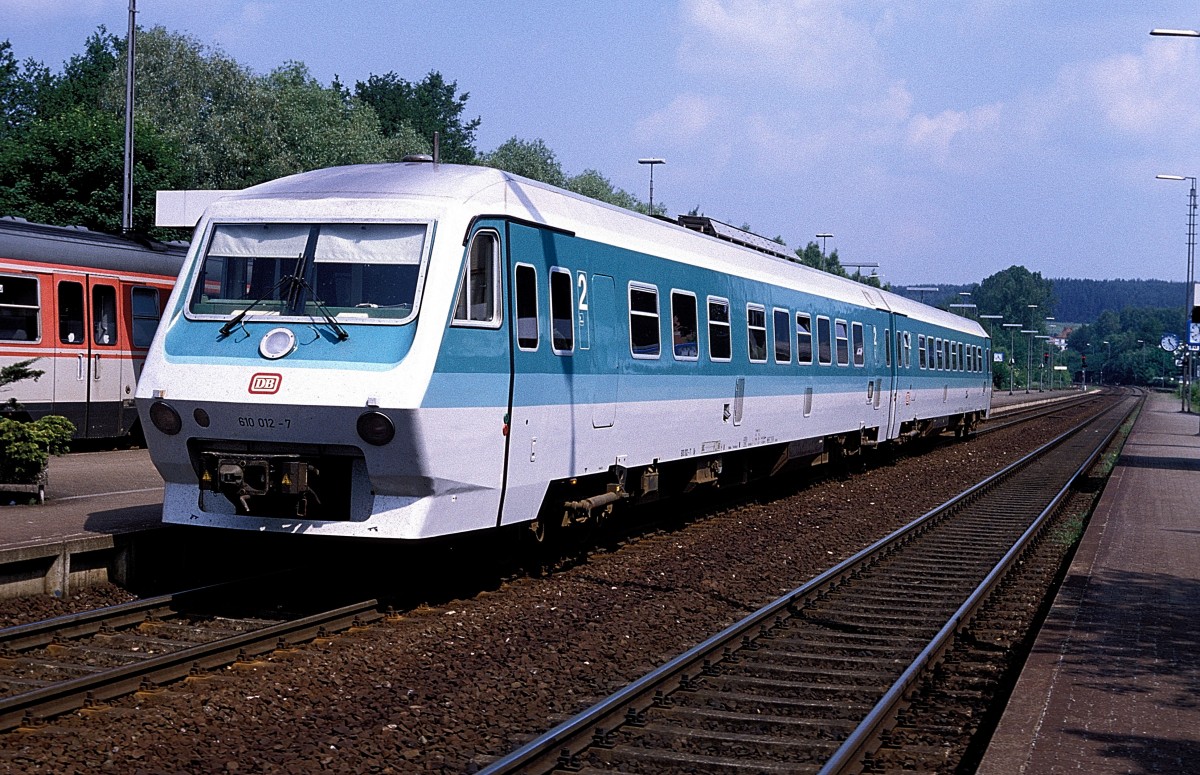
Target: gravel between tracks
x,y
448,688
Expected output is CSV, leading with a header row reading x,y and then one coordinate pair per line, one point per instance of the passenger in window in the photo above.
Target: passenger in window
x,y
684,339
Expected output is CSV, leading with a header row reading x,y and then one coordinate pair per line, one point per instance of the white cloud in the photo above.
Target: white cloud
x,y
687,117
809,43
945,137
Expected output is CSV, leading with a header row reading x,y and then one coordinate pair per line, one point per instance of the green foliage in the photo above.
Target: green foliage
x,y
67,168
25,447
527,158
591,183
812,255
15,372
1132,355
1086,300
1010,292
428,106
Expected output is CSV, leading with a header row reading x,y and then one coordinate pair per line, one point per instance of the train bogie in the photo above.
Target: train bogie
x,y
419,350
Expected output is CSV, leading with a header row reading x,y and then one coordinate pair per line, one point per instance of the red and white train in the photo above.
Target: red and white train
x,y
83,306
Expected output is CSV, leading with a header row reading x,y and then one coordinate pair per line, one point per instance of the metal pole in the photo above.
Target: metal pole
x,y
127,193
1187,302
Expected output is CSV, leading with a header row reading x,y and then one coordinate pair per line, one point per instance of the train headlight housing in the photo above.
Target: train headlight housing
x,y
164,417
376,428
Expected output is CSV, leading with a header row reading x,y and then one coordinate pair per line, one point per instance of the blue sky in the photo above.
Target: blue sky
x,y
945,141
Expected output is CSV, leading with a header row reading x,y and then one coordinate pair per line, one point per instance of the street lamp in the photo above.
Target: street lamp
x,y
1042,368
921,289
989,328
1107,356
1187,301
1028,355
965,304
1176,33
824,237
1051,348
1012,361
651,163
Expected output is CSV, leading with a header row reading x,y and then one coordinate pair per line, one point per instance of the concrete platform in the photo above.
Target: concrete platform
x,y
1113,682
96,502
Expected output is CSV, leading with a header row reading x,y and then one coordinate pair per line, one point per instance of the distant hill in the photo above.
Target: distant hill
x,y
1077,301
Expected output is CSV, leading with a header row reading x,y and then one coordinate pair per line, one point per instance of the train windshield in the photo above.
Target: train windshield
x,y
353,271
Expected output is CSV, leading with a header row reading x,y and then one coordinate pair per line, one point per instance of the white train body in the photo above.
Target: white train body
x,y
414,350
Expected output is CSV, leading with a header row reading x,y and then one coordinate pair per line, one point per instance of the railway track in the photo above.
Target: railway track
x,y
813,682
58,665
1019,413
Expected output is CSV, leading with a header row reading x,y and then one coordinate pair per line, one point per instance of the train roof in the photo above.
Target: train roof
x,y
378,190
77,246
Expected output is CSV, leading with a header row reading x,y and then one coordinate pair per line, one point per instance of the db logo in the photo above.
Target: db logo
x,y
265,384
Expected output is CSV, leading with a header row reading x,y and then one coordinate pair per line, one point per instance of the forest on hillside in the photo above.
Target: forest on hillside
x,y
1075,301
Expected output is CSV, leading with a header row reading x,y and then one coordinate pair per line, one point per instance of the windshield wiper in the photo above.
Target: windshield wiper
x,y
233,322
325,313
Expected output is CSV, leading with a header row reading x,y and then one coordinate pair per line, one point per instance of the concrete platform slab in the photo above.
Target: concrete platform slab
x,y
1113,682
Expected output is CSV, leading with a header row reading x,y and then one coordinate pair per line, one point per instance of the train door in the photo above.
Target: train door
x,y
69,336
105,357
605,356
88,371
893,368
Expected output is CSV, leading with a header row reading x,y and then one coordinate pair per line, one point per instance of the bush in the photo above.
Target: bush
x,y
25,447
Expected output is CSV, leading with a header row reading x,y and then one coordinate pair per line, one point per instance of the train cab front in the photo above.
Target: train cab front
x,y
272,400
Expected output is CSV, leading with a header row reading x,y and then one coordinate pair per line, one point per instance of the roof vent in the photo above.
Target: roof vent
x,y
418,157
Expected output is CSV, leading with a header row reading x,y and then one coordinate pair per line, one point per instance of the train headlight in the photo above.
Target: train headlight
x,y
165,418
202,418
376,428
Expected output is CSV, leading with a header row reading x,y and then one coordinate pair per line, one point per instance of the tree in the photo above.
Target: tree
x,y
430,106
20,87
592,184
68,169
309,126
1011,292
528,158
235,129
812,255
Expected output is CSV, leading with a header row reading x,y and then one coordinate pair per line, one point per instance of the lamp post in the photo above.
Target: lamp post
x,y
1012,361
921,289
824,237
1042,368
1185,390
989,331
1141,355
1028,355
1107,356
1050,347
651,163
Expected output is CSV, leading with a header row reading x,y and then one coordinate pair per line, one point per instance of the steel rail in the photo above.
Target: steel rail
x,y
75,693
855,746
561,744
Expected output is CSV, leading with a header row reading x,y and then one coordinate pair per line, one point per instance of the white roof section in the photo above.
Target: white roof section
x,y
183,209
391,190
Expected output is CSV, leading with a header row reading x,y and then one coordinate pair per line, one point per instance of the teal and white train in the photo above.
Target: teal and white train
x,y
412,350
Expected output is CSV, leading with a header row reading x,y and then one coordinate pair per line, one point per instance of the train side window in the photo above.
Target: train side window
x,y
527,307
104,315
907,350
887,347
921,361
720,342
946,354
562,311
70,312
479,292
804,350
929,356
19,309
644,337
899,349
756,332
783,336
859,344
684,327
939,354
842,338
824,341
145,315
962,356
